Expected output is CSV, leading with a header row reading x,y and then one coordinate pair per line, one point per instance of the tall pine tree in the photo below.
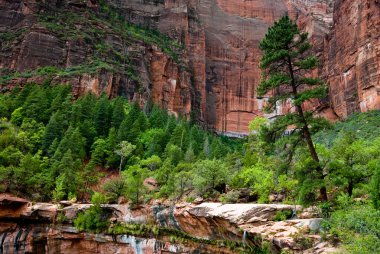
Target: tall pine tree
x,y
286,73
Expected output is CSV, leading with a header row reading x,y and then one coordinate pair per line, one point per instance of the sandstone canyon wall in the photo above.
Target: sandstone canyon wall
x,y
352,57
218,73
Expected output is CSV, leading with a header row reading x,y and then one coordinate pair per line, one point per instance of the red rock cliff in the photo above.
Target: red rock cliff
x,y
352,57
219,72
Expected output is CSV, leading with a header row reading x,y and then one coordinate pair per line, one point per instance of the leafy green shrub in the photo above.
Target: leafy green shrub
x,y
326,209
47,70
94,219
230,197
358,227
114,189
283,215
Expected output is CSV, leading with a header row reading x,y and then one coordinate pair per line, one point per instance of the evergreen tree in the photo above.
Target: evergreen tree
x,y
189,155
83,109
112,158
179,136
125,130
152,162
68,174
218,150
153,141
173,153
99,153
209,175
206,148
118,113
37,104
286,66
196,136
158,118
102,116
54,130
139,126
60,94
135,187
74,141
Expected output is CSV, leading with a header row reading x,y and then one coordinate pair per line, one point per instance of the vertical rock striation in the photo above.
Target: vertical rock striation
x,y
352,57
217,75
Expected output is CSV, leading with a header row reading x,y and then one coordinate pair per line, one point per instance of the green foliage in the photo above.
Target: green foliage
x,y
375,185
124,150
286,66
67,141
152,163
135,188
59,193
94,219
256,124
357,226
102,116
230,197
60,153
114,188
365,126
349,161
282,215
209,175
285,56
302,240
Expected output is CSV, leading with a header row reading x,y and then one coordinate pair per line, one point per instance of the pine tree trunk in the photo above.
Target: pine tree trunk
x,y
306,133
350,187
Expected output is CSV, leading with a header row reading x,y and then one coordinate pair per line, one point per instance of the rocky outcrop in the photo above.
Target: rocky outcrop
x,y
254,221
40,239
30,227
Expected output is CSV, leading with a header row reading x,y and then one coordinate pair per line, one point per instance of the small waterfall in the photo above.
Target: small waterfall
x,y
17,243
136,244
3,236
244,239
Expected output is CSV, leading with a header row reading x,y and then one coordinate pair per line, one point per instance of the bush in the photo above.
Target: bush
x,y
358,227
94,219
283,215
230,197
114,189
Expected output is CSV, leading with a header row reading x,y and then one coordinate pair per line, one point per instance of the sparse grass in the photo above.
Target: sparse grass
x,y
8,37
49,71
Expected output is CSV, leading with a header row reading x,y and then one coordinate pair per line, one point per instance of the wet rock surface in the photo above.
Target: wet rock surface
x,y
31,228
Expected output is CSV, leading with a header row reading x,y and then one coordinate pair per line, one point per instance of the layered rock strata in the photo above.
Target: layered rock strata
x,y
33,227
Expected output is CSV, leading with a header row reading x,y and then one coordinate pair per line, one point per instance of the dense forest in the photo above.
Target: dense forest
x,y
55,148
